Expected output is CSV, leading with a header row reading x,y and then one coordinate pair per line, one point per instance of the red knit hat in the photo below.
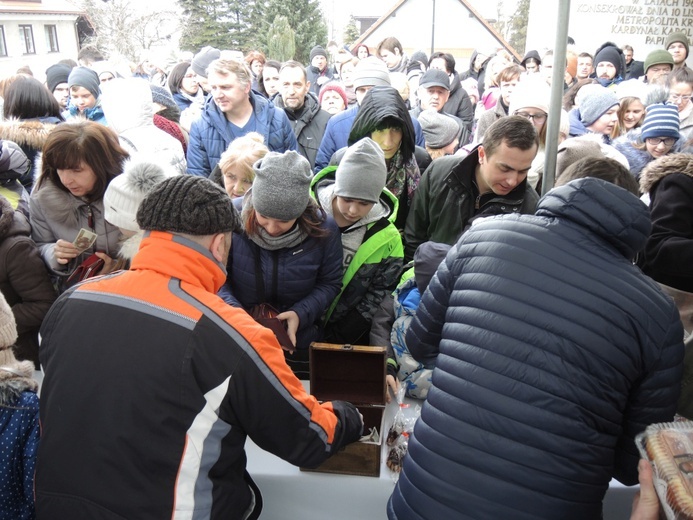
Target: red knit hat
x,y
337,87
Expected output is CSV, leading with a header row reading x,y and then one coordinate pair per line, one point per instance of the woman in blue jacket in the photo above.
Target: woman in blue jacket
x,y
289,253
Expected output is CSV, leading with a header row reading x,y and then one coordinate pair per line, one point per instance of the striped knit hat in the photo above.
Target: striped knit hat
x,y
661,120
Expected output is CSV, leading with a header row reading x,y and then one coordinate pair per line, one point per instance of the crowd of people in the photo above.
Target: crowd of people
x,y
149,218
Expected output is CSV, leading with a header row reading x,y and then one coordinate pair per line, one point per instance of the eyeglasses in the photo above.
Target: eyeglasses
x,y
654,141
679,97
539,118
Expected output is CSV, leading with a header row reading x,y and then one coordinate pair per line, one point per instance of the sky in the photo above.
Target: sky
x,y
339,11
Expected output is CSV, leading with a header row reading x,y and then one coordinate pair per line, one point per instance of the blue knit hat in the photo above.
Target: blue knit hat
x,y
661,120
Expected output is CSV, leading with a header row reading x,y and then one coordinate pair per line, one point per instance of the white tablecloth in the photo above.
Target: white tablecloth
x,y
291,494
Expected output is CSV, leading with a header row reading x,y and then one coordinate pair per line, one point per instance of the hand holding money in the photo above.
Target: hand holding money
x,y
65,251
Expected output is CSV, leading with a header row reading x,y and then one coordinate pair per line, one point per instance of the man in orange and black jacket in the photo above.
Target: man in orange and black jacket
x,y
152,383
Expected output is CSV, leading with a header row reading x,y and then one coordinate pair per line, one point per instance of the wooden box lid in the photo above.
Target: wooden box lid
x,y
353,373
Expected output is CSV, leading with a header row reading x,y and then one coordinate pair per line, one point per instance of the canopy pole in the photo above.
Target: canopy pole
x,y
557,82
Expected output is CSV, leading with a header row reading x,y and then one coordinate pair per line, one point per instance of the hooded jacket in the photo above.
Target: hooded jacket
x,y
445,202
337,132
379,104
130,113
374,250
212,133
24,280
57,214
668,252
19,435
30,135
309,126
638,159
550,352
177,384
460,106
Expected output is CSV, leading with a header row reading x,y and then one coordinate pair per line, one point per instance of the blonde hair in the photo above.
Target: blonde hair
x,y
242,153
495,66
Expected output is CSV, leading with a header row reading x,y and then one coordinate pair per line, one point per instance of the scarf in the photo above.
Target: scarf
x,y
401,175
264,240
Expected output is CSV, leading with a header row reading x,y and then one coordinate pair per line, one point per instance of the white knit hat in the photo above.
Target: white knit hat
x,y
125,193
8,329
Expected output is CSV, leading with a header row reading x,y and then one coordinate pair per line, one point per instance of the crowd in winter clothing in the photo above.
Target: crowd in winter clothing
x,y
371,196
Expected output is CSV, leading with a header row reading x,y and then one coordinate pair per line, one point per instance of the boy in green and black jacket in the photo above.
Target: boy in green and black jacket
x,y
354,194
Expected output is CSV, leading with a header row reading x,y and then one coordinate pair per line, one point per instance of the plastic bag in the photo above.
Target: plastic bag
x,y
399,432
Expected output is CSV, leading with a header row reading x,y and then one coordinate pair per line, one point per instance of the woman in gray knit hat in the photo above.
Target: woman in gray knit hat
x,y
289,254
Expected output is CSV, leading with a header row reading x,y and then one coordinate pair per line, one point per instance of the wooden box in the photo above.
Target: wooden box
x,y
356,374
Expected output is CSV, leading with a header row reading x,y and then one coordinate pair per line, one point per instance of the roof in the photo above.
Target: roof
x,y
464,3
39,7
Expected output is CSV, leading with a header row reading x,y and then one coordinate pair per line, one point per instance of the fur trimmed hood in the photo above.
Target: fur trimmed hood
x,y
16,378
657,170
11,223
32,132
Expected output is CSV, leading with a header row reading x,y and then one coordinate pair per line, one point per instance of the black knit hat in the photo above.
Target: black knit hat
x,y
188,204
57,74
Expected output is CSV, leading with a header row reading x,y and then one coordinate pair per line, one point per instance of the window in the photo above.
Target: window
x,y
51,38
26,36
3,47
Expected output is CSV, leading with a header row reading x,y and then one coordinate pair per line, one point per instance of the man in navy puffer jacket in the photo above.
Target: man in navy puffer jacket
x,y
550,351
232,110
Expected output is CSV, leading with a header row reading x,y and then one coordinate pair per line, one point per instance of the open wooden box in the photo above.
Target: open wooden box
x,y
356,374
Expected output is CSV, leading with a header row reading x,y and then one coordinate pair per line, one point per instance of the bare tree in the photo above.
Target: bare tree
x,y
123,30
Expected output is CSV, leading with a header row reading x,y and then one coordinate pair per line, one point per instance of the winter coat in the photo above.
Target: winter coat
x,y
130,114
184,100
337,136
372,252
24,281
444,203
212,133
94,113
550,352
635,69
57,214
304,279
19,436
309,126
638,159
487,119
30,135
411,373
460,106
149,373
668,252
318,79
686,124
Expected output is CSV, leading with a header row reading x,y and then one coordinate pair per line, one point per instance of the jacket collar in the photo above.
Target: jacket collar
x,y
178,257
610,212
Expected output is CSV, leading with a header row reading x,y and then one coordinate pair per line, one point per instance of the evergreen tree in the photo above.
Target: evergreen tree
x,y
518,27
305,18
351,31
206,23
281,40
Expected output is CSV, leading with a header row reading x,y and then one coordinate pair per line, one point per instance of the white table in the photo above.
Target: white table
x,y
291,494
